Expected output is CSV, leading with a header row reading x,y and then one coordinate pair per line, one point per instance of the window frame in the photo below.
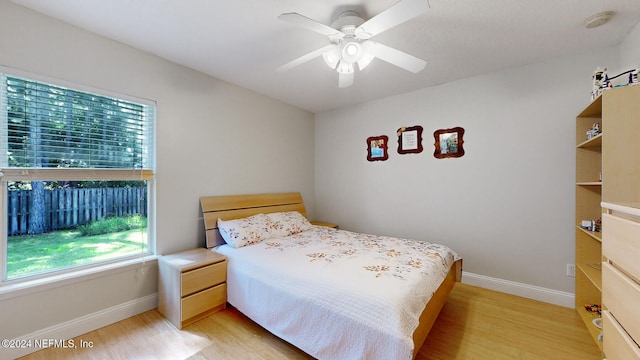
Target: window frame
x,y
12,174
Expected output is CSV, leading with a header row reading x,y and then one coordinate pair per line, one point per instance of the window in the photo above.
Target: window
x,y
76,169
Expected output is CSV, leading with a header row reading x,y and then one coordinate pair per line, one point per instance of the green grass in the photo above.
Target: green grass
x,y
113,224
32,254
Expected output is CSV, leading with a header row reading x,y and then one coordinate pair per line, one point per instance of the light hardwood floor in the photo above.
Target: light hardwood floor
x,y
474,324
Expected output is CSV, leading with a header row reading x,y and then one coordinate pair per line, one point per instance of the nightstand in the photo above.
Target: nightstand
x,y
335,226
192,285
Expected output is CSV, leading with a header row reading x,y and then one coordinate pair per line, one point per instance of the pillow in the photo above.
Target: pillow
x,y
245,231
288,223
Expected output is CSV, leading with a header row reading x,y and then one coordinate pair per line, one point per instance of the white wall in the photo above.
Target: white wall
x,y
630,50
212,138
507,206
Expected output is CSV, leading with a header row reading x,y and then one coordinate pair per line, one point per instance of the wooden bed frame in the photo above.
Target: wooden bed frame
x,y
238,206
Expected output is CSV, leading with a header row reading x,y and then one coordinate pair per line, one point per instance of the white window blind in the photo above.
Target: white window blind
x,y
46,126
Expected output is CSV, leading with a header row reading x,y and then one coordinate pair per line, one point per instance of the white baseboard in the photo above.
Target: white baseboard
x,y
514,288
84,324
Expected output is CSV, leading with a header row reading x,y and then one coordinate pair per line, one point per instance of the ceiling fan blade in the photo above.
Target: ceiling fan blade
x,y
399,58
305,22
304,58
345,80
398,13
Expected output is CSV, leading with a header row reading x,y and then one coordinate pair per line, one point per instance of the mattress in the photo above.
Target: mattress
x,y
337,294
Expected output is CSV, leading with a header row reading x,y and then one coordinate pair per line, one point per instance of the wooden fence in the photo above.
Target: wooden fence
x,y
69,208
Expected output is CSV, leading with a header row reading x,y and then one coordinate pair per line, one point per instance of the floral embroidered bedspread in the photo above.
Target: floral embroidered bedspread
x,y
338,294
386,256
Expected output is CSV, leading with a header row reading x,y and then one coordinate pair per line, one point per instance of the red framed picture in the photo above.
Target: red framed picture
x,y
377,148
410,140
448,143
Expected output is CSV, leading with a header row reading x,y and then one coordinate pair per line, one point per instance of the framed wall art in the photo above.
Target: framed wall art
x,y
377,148
410,140
449,143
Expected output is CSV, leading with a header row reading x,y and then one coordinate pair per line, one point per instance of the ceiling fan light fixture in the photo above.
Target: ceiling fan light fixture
x,y
367,54
365,60
331,58
352,51
349,38
345,67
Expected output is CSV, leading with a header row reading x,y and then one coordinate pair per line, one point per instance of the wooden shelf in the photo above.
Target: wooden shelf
x,y
588,317
589,183
595,141
593,109
592,274
594,234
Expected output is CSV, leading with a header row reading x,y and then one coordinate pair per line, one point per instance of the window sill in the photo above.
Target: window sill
x,y
26,286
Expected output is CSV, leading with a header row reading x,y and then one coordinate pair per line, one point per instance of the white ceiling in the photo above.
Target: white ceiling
x,y
243,42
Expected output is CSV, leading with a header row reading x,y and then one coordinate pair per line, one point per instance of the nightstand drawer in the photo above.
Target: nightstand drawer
x,y
620,243
617,345
621,296
198,303
203,278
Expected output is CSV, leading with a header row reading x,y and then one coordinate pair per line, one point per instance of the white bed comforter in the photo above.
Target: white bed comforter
x,y
337,294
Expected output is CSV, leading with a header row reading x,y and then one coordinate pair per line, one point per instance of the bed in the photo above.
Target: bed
x,y
334,294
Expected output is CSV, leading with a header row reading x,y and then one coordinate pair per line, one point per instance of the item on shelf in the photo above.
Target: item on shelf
x,y
633,77
597,322
602,81
592,225
593,308
594,131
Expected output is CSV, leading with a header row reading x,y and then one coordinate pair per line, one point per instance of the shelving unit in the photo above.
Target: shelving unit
x,y
607,169
588,199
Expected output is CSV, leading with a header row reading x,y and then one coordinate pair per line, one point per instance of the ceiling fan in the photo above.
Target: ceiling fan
x,y
350,40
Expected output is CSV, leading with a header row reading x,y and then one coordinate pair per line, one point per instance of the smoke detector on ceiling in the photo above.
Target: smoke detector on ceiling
x,y
598,19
